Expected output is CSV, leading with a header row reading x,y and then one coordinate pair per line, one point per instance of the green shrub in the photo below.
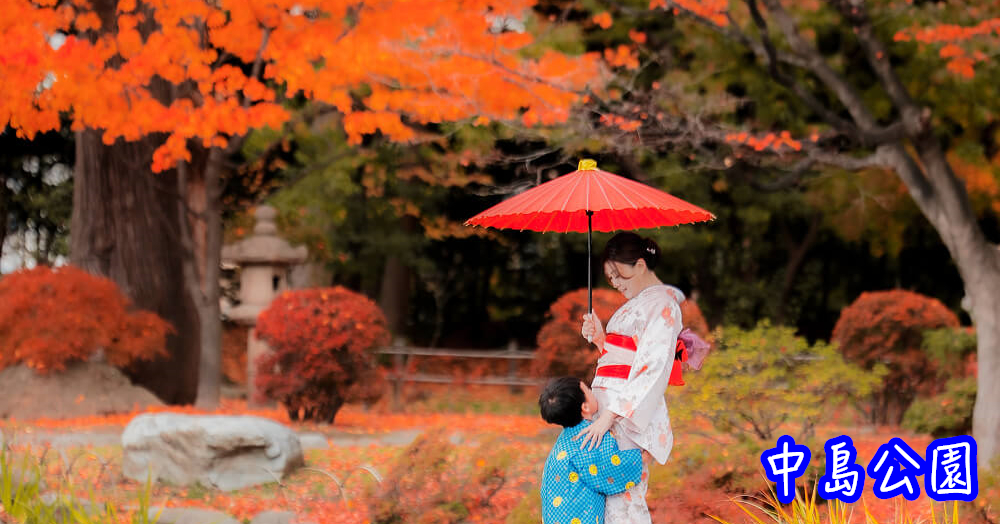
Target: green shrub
x,y
764,378
949,349
946,414
949,412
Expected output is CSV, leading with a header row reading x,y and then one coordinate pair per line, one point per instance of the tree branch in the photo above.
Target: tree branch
x,y
733,34
867,131
830,117
878,58
815,63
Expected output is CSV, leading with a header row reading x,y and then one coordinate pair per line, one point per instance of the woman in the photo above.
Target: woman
x,y
637,355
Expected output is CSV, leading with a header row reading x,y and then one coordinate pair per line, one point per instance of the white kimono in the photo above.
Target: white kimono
x,y
638,356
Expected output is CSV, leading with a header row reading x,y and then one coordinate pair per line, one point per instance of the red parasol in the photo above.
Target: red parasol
x,y
589,199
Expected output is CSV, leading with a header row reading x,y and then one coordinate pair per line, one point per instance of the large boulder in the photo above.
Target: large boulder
x,y
223,452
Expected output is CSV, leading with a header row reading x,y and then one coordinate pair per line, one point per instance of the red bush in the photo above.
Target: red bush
x,y
561,349
52,317
888,327
322,342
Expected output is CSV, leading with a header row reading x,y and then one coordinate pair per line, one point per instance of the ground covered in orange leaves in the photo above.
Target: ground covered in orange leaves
x,y
705,472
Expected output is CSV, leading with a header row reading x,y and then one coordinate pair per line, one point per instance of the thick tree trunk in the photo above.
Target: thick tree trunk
x,y
124,226
983,290
942,198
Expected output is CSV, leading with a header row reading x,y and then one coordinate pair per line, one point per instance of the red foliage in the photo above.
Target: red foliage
x,y
562,351
52,317
322,343
694,320
433,481
887,327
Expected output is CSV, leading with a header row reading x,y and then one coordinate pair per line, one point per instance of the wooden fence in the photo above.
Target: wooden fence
x,y
401,356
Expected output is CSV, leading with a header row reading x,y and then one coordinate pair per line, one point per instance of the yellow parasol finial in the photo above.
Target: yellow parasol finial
x,y
587,165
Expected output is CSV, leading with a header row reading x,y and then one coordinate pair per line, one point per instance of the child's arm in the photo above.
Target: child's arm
x,y
607,469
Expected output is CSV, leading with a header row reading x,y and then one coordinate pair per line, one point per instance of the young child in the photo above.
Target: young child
x,y
575,481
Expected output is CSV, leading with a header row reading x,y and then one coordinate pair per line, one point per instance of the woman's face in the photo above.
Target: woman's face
x,y
623,276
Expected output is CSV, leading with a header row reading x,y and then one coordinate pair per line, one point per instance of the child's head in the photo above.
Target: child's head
x,y
567,401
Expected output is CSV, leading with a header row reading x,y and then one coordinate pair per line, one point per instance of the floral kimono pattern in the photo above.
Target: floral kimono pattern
x,y
631,379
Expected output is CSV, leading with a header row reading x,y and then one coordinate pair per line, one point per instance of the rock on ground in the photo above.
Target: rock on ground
x,y
81,390
223,452
189,516
277,517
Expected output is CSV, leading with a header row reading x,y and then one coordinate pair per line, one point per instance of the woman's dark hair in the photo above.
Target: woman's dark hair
x,y
628,248
561,402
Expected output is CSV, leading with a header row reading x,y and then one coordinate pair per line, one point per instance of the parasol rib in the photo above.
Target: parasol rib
x,y
580,177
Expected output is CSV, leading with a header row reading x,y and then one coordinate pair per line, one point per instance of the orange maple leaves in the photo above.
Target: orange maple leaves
x,y
960,61
382,64
768,141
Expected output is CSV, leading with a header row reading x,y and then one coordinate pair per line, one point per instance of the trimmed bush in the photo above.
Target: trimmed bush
x,y
322,350
51,317
887,327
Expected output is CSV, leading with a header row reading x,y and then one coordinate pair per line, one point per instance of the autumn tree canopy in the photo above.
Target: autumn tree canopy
x,y
383,65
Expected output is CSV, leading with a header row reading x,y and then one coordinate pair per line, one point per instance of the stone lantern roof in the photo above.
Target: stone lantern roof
x,y
264,246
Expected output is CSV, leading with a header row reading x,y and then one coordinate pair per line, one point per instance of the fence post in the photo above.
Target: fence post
x,y
400,368
512,368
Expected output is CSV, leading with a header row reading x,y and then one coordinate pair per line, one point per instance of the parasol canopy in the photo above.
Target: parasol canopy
x,y
589,199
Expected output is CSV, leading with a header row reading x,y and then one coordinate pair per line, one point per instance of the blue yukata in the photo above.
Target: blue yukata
x,y
576,481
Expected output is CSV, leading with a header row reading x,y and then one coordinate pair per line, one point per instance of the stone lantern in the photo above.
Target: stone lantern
x,y
265,260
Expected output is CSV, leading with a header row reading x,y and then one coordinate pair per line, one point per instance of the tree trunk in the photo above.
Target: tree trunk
x,y
796,257
4,198
395,294
394,297
983,289
942,198
201,240
124,227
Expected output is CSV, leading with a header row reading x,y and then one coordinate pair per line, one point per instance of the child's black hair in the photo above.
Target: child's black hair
x,y
561,402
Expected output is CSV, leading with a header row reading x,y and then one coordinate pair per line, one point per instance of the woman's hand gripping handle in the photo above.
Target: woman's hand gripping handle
x,y
592,329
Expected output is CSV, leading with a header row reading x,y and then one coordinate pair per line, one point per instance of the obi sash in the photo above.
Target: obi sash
x,y
623,370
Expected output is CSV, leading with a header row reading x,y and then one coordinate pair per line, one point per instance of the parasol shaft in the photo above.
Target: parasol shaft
x,y
590,272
